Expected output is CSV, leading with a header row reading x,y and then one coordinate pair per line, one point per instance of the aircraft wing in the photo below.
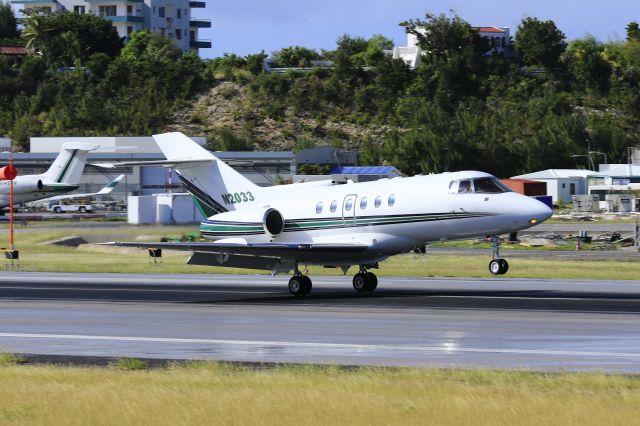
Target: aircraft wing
x,y
163,163
277,250
274,257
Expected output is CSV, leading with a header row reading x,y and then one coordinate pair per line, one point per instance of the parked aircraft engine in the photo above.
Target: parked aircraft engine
x,y
8,173
270,219
30,185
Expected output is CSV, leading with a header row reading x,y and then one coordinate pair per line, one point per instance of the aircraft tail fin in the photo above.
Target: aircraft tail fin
x,y
215,186
68,166
110,186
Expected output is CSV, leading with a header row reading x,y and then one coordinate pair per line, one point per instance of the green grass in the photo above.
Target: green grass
x,y
216,393
35,256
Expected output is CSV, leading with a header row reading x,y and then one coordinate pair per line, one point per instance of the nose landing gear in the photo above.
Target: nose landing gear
x,y
497,265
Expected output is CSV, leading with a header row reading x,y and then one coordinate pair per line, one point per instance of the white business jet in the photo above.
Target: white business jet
x,y
107,189
282,228
63,176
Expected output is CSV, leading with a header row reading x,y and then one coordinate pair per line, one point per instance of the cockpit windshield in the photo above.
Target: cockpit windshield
x,y
485,185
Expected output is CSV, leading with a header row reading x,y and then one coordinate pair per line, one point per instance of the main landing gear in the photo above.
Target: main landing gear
x,y
497,265
300,285
364,281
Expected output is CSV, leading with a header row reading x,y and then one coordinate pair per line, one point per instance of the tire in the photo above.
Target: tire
x,y
82,209
57,210
359,282
504,266
495,267
306,285
371,281
295,286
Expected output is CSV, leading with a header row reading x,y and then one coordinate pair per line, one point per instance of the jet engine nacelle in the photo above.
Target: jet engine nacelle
x,y
27,185
271,219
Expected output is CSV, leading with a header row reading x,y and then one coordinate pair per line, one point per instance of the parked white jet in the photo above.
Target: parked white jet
x,y
104,191
63,176
281,228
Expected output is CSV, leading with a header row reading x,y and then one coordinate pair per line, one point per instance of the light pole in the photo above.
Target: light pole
x,y
9,173
590,162
601,153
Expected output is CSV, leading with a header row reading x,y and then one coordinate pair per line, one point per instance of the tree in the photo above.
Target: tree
x,y
454,58
633,31
67,38
540,43
584,59
8,22
295,56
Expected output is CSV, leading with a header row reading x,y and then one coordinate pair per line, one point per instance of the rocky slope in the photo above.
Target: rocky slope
x,y
226,108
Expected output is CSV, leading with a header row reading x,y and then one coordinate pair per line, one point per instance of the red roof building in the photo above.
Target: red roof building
x,y
13,51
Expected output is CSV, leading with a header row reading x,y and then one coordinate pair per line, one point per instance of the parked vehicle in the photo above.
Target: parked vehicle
x,y
70,208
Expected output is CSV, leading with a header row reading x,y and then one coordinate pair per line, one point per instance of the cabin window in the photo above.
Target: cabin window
x,y
378,202
348,205
392,200
489,185
464,187
334,206
319,208
363,203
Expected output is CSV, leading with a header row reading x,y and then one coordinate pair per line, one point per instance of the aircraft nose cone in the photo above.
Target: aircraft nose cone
x,y
538,211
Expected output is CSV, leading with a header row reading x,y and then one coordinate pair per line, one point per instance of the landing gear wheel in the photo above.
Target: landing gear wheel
x,y
504,266
359,282
495,267
371,281
300,285
498,266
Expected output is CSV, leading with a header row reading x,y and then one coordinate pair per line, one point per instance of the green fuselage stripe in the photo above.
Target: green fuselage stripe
x,y
332,223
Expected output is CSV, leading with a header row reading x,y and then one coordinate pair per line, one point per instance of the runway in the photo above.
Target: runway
x,y
537,324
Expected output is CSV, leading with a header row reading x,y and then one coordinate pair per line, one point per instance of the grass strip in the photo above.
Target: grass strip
x,y
218,393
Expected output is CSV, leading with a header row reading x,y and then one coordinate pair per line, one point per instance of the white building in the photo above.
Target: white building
x,y
498,37
561,183
615,178
172,18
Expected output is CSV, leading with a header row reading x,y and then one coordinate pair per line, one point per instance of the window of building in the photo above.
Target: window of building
x,y
161,12
564,185
178,13
378,202
348,205
178,34
363,203
79,9
129,9
107,11
392,200
334,206
129,31
319,205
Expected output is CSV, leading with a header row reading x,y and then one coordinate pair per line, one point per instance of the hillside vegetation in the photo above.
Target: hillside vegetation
x,y
461,109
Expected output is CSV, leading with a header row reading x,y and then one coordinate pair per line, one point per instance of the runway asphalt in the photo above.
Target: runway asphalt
x,y
550,325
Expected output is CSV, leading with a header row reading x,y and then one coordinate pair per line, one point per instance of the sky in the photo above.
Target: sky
x,y
248,26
